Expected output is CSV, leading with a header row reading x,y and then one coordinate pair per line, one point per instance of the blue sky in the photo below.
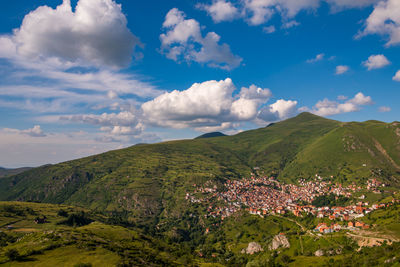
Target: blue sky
x,y
83,77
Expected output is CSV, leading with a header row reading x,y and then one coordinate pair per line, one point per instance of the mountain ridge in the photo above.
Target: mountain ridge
x,y
150,181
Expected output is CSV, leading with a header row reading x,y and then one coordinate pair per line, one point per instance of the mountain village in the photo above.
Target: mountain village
x,y
265,196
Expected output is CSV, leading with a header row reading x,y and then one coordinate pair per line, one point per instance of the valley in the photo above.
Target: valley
x,y
307,191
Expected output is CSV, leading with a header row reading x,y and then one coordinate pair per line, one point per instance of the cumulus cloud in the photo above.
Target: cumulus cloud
x,y
255,93
124,130
183,40
384,20
317,58
281,109
201,103
360,100
223,126
260,11
206,106
95,33
125,118
396,77
384,109
123,127
376,62
36,131
34,52
341,69
220,10
327,107
7,47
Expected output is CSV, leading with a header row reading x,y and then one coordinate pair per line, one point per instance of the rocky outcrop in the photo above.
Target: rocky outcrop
x,y
319,253
252,248
279,241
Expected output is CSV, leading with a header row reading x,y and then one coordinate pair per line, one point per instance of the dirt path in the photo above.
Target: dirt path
x,y
296,222
369,241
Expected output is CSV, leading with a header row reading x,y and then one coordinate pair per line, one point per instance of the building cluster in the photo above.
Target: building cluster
x,y
373,185
265,195
325,228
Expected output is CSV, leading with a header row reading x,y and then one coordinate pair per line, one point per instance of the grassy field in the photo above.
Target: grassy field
x,y
99,243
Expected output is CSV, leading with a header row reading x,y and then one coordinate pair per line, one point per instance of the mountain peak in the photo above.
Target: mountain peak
x,y
209,135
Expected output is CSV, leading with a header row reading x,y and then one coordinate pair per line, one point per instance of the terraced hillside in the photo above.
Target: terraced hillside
x,y
149,182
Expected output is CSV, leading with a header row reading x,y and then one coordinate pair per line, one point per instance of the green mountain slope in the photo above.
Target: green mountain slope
x,y
150,181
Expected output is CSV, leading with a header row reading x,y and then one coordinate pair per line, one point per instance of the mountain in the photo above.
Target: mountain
x,y
150,181
130,207
6,172
210,135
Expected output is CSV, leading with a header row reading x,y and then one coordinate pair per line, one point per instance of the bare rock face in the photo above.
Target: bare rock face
x,y
278,242
252,248
319,253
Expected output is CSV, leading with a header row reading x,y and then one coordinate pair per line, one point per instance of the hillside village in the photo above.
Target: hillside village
x,y
265,195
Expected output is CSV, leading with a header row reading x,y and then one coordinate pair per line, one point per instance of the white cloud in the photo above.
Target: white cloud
x,y
201,103
62,87
269,29
341,69
260,11
384,20
95,33
285,108
218,128
317,58
183,41
124,130
124,118
327,107
376,62
21,150
112,94
384,109
220,10
281,109
290,24
7,47
342,97
338,5
396,77
36,131
208,105
360,100
255,93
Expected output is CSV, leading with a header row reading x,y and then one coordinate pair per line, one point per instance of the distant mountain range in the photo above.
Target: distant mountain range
x,y
5,172
150,181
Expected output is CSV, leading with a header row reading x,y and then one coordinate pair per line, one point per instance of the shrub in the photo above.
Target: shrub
x,y
77,219
12,254
62,213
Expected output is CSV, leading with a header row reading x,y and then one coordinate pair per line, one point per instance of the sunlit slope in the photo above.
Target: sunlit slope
x,y
273,147
150,181
352,152
144,179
